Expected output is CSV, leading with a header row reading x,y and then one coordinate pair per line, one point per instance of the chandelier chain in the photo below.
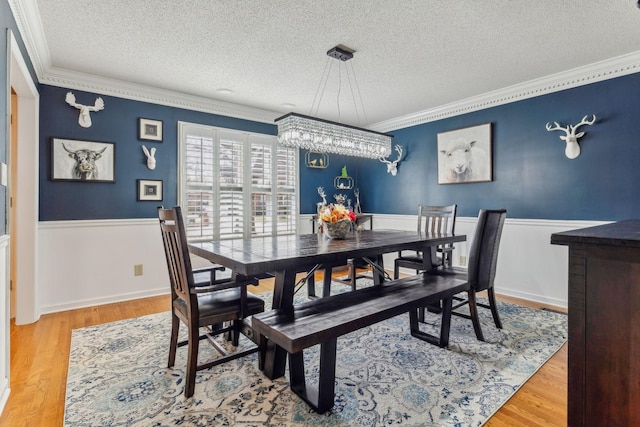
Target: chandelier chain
x,y
364,113
322,85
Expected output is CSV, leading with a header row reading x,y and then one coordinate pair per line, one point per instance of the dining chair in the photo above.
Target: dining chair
x,y
216,308
431,219
481,270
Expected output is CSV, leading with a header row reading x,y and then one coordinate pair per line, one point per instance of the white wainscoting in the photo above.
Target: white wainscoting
x,y
5,354
529,267
85,263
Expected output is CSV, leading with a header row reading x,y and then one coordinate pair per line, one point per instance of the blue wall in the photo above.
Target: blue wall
x,y
532,178
117,123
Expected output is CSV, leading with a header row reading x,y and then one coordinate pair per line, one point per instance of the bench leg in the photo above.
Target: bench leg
x,y
321,398
445,327
273,361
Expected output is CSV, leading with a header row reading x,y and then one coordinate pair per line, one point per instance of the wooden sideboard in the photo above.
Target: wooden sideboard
x,y
604,324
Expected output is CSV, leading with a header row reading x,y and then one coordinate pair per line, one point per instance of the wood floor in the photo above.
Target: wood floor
x,y
40,354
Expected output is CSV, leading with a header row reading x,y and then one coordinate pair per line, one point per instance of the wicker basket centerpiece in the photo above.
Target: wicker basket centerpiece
x,y
338,229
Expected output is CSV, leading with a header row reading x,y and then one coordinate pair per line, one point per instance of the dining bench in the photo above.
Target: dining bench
x,y
323,320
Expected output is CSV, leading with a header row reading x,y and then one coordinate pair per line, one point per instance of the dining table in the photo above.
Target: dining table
x,y
284,257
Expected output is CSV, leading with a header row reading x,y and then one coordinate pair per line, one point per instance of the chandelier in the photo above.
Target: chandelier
x,y
324,136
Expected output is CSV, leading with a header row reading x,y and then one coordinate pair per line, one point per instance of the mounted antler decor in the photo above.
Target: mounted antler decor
x,y
85,119
571,138
392,166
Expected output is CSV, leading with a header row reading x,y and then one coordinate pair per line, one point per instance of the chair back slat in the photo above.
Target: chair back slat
x,y
483,253
437,219
176,251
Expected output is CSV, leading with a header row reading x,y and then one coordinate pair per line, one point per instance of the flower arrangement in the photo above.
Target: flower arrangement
x,y
336,220
334,213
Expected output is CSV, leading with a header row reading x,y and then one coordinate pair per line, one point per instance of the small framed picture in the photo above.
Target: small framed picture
x,y
149,189
150,129
82,161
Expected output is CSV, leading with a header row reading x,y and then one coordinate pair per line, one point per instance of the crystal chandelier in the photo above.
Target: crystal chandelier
x,y
324,136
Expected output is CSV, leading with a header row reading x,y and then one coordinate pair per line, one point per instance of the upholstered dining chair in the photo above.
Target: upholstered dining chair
x,y
431,219
481,270
215,308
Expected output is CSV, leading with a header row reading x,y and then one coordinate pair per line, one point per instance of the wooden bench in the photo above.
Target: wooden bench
x,y
323,320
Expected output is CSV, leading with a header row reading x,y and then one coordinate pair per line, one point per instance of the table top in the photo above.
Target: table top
x,y
267,254
624,233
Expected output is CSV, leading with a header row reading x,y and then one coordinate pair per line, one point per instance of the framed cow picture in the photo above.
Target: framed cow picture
x,y
82,161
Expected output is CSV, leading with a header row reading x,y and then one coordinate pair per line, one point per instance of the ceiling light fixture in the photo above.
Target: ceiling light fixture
x,y
324,136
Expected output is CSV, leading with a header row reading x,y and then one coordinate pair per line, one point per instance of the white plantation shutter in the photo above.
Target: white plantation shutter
x,y
285,193
235,184
199,214
230,182
261,188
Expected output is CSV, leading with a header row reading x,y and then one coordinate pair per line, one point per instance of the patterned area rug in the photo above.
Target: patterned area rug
x,y
118,375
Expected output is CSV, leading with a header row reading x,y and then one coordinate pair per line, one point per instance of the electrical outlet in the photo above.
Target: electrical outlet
x,y
463,260
137,270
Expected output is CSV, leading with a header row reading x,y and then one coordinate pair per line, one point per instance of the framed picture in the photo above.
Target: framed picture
x,y
149,189
82,161
150,129
464,155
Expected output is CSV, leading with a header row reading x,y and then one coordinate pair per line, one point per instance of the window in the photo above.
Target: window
x,y
235,184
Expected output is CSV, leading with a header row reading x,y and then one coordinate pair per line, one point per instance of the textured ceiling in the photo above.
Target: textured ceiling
x,y
411,55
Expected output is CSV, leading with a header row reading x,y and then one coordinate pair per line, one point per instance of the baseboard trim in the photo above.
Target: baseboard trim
x,y
531,297
5,391
102,301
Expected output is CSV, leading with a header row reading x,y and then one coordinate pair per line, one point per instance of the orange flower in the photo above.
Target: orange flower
x,y
334,213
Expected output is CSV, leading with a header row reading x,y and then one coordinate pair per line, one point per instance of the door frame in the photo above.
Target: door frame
x,y
26,189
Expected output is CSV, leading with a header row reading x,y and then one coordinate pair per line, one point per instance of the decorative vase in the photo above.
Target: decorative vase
x,y
338,229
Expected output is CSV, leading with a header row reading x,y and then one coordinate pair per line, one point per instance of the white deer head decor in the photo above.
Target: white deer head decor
x,y
392,167
571,138
151,160
85,119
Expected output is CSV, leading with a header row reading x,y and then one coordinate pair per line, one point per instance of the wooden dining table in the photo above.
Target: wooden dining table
x,y
284,257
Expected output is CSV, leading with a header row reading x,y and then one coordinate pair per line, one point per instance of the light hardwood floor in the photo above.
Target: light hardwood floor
x,y
40,354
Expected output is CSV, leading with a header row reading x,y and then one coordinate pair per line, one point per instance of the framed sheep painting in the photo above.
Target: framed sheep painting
x,y
464,155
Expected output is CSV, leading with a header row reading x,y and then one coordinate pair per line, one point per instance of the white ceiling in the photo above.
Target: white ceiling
x,y
410,55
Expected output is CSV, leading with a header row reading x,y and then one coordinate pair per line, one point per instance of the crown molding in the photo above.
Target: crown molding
x,y
137,92
30,26
599,71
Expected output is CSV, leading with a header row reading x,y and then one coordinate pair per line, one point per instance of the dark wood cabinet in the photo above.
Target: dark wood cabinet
x,y
604,324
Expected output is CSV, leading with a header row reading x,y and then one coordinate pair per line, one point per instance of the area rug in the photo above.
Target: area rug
x,y
118,375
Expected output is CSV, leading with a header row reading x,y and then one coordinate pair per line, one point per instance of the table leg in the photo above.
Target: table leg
x,y
275,357
378,276
326,283
311,286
